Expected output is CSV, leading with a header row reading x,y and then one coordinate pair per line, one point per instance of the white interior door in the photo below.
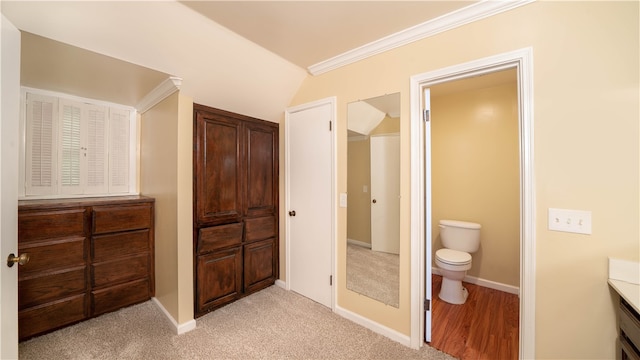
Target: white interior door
x,y
310,199
385,193
9,135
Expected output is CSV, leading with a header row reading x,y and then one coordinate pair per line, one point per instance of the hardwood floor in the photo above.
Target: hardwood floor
x,y
484,327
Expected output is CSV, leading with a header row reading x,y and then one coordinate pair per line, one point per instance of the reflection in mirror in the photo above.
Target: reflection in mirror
x,y
373,186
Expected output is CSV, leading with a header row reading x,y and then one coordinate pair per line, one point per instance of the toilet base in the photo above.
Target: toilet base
x,y
453,292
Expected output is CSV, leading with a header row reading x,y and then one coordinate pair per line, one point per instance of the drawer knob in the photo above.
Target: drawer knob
x,y
21,260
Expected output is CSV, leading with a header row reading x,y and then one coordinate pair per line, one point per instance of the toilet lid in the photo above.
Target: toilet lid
x,y
453,257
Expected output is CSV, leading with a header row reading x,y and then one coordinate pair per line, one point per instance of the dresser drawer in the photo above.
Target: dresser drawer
x,y
42,288
108,247
50,316
119,271
260,228
118,296
217,237
38,225
53,254
107,219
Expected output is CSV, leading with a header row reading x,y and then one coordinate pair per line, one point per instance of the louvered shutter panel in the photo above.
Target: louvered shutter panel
x,y
40,157
119,150
96,145
71,153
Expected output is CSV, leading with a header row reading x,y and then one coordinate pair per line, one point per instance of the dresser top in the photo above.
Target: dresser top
x,y
88,201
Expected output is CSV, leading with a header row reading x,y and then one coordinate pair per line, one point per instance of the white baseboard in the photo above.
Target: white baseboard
x,y
374,326
359,243
179,329
485,283
281,284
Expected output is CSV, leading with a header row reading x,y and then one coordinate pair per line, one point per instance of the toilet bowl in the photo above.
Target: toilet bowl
x,y
460,239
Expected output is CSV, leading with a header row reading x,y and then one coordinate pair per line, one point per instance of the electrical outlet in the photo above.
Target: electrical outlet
x,y
574,221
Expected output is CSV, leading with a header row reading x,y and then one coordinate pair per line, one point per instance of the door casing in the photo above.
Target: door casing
x,y
522,61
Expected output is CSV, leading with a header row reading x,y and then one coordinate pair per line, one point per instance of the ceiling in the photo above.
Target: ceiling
x,y
129,47
308,32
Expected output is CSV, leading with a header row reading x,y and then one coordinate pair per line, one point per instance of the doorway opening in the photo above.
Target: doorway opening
x,y
474,160
421,210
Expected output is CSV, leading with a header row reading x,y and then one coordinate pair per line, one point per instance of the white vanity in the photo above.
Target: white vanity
x,y
624,278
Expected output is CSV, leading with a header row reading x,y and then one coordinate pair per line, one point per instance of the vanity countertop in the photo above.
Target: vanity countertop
x,y
624,278
628,291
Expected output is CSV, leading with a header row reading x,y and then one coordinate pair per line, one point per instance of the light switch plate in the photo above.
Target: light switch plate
x,y
573,221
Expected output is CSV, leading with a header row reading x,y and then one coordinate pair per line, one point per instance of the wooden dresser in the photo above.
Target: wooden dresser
x,y
235,206
87,257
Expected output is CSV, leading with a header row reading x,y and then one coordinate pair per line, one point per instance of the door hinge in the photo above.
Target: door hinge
x,y
427,304
330,280
330,126
426,115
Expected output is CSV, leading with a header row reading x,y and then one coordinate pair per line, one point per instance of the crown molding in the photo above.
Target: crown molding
x,y
466,15
159,93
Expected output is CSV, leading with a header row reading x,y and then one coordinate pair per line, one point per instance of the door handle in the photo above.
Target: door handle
x,y
292,213
21,260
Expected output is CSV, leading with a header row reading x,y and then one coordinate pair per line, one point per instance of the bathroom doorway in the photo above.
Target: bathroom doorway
x,y
421,172
475,177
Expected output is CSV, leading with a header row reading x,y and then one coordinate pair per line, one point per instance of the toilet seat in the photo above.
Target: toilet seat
x,y
453,257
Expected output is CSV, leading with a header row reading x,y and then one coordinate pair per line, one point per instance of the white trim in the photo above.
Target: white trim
x,y
373,326
178,329
466,15
522,60
281,284
334,185
159,93
484,283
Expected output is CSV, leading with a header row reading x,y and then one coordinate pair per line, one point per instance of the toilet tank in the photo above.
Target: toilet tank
x,y
460,235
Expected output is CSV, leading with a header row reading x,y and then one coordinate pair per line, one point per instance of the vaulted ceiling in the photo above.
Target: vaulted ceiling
x,y
244,56
309,32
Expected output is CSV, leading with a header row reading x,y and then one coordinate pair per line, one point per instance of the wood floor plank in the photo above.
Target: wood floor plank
x,y
486,326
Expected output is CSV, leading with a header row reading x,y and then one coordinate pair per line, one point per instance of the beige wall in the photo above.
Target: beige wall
x,y
475,174
166,174
359,175
585,152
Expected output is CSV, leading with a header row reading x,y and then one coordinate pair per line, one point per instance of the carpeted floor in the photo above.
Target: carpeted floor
x,y
374,274
271,324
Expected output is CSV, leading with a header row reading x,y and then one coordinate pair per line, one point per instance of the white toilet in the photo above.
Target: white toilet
x,y
460,238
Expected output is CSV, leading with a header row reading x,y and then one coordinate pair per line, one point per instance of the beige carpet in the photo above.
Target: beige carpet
x,y
271,324
374,274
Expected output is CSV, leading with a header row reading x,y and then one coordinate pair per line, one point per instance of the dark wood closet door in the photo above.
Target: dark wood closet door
x,y
219,169
236,206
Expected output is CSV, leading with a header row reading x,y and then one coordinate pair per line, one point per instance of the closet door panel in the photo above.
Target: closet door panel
x,y
259,265
262,169
219,278
218,174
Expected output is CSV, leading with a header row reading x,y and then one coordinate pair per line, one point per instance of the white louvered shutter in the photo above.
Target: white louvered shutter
x,y
96,149
41,140
119,150
71,151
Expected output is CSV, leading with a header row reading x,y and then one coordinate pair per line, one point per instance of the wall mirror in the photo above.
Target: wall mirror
x,y
373,188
